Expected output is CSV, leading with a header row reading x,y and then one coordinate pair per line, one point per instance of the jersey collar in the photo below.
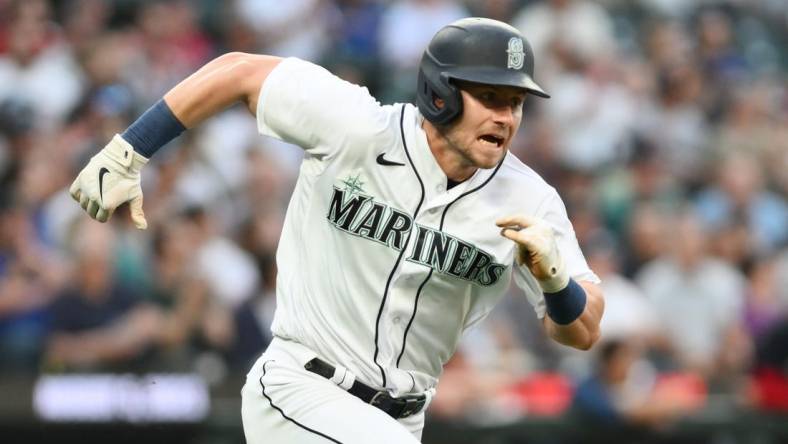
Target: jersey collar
x,y
426,166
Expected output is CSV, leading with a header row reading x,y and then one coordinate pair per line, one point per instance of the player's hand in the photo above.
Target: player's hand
x,y
110,179
536,249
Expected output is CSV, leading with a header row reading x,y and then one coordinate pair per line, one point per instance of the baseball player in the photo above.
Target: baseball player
x,y
405,228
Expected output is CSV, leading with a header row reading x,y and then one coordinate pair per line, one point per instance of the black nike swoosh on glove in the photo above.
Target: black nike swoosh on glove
x,y
102,172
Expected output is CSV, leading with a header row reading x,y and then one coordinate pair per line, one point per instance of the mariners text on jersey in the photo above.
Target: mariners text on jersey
x,y
358,214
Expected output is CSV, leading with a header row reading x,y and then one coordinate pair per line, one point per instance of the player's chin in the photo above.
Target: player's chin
x,y
488,155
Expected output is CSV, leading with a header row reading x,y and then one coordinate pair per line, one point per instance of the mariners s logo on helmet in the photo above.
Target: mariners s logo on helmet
x,y
516,54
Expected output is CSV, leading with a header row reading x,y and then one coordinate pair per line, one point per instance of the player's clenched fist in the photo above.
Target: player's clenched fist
x,y
110,179
537,250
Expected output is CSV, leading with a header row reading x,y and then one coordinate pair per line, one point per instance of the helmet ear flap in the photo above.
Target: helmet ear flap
x,y
437,85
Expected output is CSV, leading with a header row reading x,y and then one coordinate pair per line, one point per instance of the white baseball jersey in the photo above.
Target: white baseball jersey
x,y
381,268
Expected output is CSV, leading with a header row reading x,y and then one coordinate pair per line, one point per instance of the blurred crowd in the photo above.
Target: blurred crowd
x,y
666,135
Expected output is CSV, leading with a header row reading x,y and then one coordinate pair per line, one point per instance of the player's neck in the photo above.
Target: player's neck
x,y
452,163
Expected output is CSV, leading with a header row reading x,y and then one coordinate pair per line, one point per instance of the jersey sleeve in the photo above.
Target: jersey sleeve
x,y
553,211
304,104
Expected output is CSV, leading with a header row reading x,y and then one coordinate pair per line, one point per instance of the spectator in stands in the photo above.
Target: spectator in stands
x,y
38,67
253,318
643,181
698,299
405,29
644,237
623,394
739,192
96,324
765,307
30,274
296,28
770,370
628,312
578,27
229,271
180,295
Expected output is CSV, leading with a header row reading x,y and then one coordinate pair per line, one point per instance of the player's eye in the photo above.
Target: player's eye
x,y
486,97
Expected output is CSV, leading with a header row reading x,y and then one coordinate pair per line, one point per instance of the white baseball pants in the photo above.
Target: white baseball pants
x,y
284,403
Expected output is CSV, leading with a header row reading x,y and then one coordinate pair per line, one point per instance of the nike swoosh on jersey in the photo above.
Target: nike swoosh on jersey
x,y
102,172
382,161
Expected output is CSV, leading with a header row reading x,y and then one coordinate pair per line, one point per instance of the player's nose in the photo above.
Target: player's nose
x,y
503,116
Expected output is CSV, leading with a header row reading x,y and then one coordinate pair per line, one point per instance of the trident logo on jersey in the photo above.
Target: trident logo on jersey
x,y
516,54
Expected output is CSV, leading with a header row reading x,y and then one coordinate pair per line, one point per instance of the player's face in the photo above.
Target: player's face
x,y
489,121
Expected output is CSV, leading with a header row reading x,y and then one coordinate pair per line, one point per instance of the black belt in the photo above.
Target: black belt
x,y
395,407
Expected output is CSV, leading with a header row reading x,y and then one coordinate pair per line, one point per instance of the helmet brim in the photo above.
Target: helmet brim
x,y
494,76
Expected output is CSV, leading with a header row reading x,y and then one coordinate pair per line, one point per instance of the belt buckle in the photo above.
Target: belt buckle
x,y
375,401
412,406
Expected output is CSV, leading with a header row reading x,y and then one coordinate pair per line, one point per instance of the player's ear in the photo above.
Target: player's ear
x,y
440,103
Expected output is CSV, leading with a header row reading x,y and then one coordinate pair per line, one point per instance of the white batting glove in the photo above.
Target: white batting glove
x,y
110,179
537,250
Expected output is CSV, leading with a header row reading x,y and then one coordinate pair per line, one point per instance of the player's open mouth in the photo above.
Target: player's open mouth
x,y
492,139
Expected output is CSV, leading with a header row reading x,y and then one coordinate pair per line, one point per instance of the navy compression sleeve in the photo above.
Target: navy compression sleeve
x,y
564,306
153,129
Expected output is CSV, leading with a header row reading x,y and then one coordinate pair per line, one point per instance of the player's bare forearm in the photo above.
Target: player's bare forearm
x,y
584,331
228,79
112,177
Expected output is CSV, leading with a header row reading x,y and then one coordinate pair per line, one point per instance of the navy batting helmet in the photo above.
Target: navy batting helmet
x,y
476,50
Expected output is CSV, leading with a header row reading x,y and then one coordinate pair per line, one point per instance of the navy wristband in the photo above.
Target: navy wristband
x,y
153,129
564,306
